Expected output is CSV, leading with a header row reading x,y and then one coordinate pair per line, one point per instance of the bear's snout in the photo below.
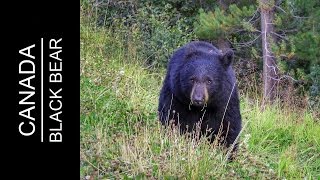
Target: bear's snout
x,y
199,95
198,101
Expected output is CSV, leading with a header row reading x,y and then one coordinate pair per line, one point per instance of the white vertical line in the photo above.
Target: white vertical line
x,y
41,89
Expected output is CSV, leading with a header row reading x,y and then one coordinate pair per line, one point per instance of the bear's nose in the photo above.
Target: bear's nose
x,y
198,100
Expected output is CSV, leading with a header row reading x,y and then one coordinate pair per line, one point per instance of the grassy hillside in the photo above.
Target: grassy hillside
x,y
121,137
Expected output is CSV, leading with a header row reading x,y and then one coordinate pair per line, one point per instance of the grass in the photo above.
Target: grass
x,y
121,137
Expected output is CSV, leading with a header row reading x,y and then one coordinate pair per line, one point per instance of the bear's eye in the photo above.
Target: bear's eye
x,y
192,80
209,81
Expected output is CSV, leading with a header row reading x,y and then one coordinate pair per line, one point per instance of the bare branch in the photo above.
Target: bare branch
x,y
247,44
278,7
283,77
280,36
243,30
273,68
299,17
254,14
291,13
290,30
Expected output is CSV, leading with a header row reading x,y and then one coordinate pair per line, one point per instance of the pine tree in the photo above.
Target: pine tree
x,y
290,34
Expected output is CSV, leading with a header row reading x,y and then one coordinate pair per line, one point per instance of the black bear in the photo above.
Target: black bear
x,y
200,86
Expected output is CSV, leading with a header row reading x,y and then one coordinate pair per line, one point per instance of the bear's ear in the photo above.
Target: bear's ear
x,y
226,58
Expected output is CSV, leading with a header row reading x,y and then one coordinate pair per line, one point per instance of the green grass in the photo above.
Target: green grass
x,y
121,137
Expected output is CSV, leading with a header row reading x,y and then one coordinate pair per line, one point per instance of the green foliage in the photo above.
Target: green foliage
x,y
275,143
296,32
160,35
161,26
120,137
223,24
156,28
107,71
298,22
314,100
307,47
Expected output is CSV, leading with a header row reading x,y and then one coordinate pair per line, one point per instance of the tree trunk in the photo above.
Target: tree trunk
x,y
270,70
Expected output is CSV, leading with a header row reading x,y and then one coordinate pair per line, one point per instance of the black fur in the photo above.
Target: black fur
x,y
204,62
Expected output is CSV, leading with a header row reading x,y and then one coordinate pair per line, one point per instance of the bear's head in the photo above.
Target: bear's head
x,y
203,74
